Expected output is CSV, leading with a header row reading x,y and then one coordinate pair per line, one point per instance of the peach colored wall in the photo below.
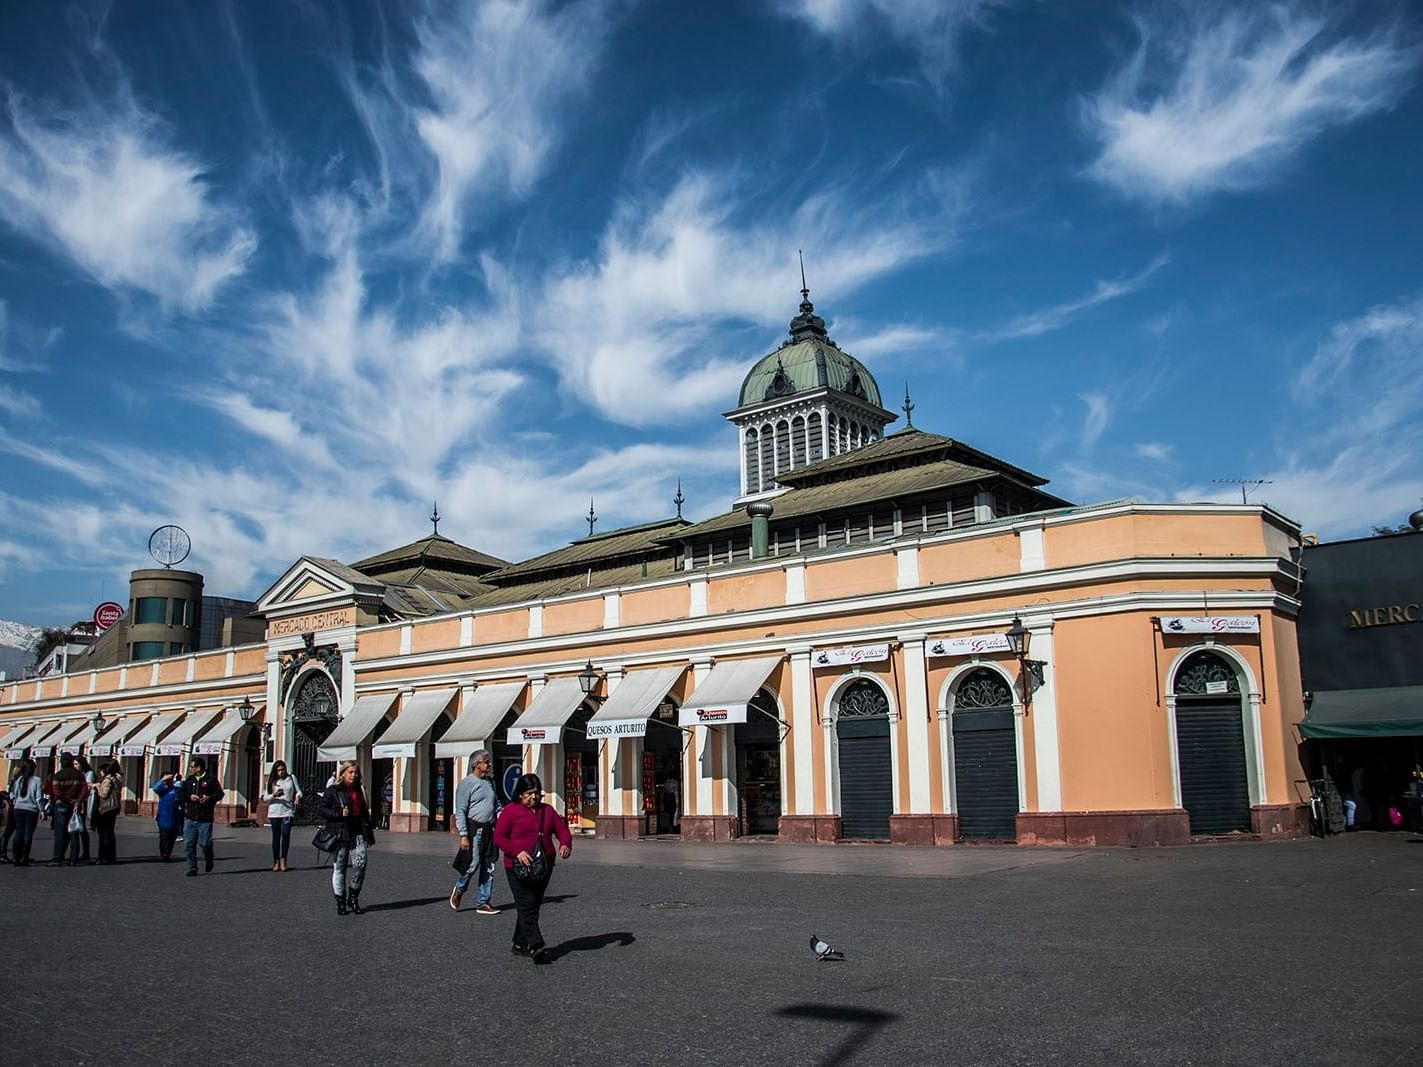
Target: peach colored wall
x,y
210,667
429,636
662,604
746,592
502,626
1114,744
848,577
251,660
977,557
171,671
51,688
108,681
1122,536
573,616
1282,712
376,644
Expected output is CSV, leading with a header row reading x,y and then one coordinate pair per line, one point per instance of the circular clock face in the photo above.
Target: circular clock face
x,y
169,545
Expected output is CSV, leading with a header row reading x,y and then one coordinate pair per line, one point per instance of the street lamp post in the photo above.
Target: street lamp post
x,y
1030,670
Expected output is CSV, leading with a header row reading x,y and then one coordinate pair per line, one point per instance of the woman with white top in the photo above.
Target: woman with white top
x,y
27,794
282,796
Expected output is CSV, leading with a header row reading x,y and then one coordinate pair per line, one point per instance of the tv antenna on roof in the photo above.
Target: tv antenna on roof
x,y
1246,484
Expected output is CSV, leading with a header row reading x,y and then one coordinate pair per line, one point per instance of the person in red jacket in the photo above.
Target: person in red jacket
x,y
524,832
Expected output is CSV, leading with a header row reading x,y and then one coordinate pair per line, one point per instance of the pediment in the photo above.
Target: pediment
x,y
312,583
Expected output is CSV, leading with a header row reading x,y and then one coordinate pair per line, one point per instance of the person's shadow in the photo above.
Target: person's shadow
x,y
592,943
401,905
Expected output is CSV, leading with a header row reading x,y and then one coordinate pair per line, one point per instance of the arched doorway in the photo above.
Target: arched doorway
x,y
251,779
313,716
1210,745
865,761
985,757
758,767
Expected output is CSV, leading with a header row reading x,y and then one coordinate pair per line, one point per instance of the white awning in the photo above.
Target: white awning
x,y
13,742
543,722
189,728
478,720
633,702
57,734
213,742
723,695
76,743
356,728
157,726
115,735
413,723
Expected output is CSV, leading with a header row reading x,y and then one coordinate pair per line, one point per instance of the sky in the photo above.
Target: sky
x,y
284,274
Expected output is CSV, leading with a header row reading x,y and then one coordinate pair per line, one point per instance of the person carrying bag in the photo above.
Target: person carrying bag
x,y
524,832
348,833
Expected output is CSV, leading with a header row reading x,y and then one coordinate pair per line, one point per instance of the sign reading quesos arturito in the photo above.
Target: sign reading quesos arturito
x,y
319,620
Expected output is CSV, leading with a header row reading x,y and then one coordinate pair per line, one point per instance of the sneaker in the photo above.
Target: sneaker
x,y
455,897
519,950
192,872
541,956
486,909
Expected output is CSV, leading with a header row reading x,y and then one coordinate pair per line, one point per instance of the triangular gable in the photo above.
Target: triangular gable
x,y
313,587
309,583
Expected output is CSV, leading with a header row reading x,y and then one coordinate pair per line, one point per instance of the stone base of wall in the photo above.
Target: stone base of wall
x,y
1129,828
708,827
230,813
620,827
805,829
923,829
1276,822
408,822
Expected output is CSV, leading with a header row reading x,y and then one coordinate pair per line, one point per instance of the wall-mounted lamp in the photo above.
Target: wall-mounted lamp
x,y
588,679
1019,637
98,723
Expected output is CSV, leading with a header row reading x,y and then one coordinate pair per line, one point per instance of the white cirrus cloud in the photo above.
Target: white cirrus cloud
x,y
653,327
1220,96
1095,419
1050,319
107,189
1155,450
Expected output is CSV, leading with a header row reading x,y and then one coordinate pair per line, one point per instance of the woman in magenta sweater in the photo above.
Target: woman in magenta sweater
x,y
524,832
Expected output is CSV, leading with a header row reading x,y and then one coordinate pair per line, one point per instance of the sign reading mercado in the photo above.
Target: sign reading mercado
x,y
1210,624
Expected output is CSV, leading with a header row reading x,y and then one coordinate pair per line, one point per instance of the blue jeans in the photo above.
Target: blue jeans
x,y
25,824
281,838
195,834
59,820
484,871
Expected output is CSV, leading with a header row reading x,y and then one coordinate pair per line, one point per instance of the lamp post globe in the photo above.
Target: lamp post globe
x,y
588,679
1018,637
98,722
246,710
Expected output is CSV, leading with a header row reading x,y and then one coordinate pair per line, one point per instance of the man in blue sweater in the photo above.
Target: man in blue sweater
x,y
476,807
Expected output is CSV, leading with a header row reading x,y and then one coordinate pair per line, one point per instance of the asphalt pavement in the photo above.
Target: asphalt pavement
x,y
669,953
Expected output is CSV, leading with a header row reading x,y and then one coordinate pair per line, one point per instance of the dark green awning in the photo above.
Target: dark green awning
x,y
1394,712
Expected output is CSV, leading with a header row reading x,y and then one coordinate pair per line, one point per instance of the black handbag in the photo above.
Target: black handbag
x,y
537,869
328,840
462,860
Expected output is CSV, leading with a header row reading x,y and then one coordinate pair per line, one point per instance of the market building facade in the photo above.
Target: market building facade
x,y
889,636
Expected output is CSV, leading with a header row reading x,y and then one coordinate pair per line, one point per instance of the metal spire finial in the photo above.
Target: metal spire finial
x,y
591,517
804,290
435,517
908,409
679,499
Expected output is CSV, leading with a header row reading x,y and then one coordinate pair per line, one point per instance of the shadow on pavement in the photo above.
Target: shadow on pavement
x,y
592,943
401,905
866,1021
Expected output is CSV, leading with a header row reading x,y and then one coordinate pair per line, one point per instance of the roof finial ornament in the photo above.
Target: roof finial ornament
x,y
435,518
591,517
804,289
679,499
908,409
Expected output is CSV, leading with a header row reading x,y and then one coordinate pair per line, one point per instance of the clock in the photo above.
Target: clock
x,y
169,545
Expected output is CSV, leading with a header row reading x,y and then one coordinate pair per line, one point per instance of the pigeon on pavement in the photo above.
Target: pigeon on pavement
x,y
823,951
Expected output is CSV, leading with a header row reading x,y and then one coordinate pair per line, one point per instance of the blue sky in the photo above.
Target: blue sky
x,y
284,273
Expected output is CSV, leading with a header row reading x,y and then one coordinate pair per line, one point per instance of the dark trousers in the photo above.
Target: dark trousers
x,y
281,838
528,899
108,841
83,836
167,838
63,839
25,824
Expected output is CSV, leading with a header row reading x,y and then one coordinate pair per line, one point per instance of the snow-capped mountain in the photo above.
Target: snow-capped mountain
x,y
15,641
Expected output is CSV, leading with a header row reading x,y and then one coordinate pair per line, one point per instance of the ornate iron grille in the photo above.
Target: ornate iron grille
x,y
1200,670
863,700
313,716
983,690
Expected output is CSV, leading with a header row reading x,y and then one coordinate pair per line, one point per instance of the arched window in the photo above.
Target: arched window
x,y
783,446
844,436
863,699
817,450
768,459
983,690
753,461
797,442
1206,674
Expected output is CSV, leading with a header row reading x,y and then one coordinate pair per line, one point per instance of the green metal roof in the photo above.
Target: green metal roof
x,y
803,366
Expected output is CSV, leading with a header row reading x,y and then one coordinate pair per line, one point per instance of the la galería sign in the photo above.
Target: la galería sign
x,y
305,624
1391,615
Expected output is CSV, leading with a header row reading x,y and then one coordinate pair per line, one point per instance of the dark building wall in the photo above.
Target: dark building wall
x,y
1361,620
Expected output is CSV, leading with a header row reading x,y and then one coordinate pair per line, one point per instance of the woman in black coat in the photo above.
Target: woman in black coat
x,y
347,811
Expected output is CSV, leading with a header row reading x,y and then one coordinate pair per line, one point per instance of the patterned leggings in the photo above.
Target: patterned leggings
x,y
354,855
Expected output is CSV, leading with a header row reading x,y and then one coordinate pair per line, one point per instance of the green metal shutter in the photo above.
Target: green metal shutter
x,y
986,774
1210,745
866,778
